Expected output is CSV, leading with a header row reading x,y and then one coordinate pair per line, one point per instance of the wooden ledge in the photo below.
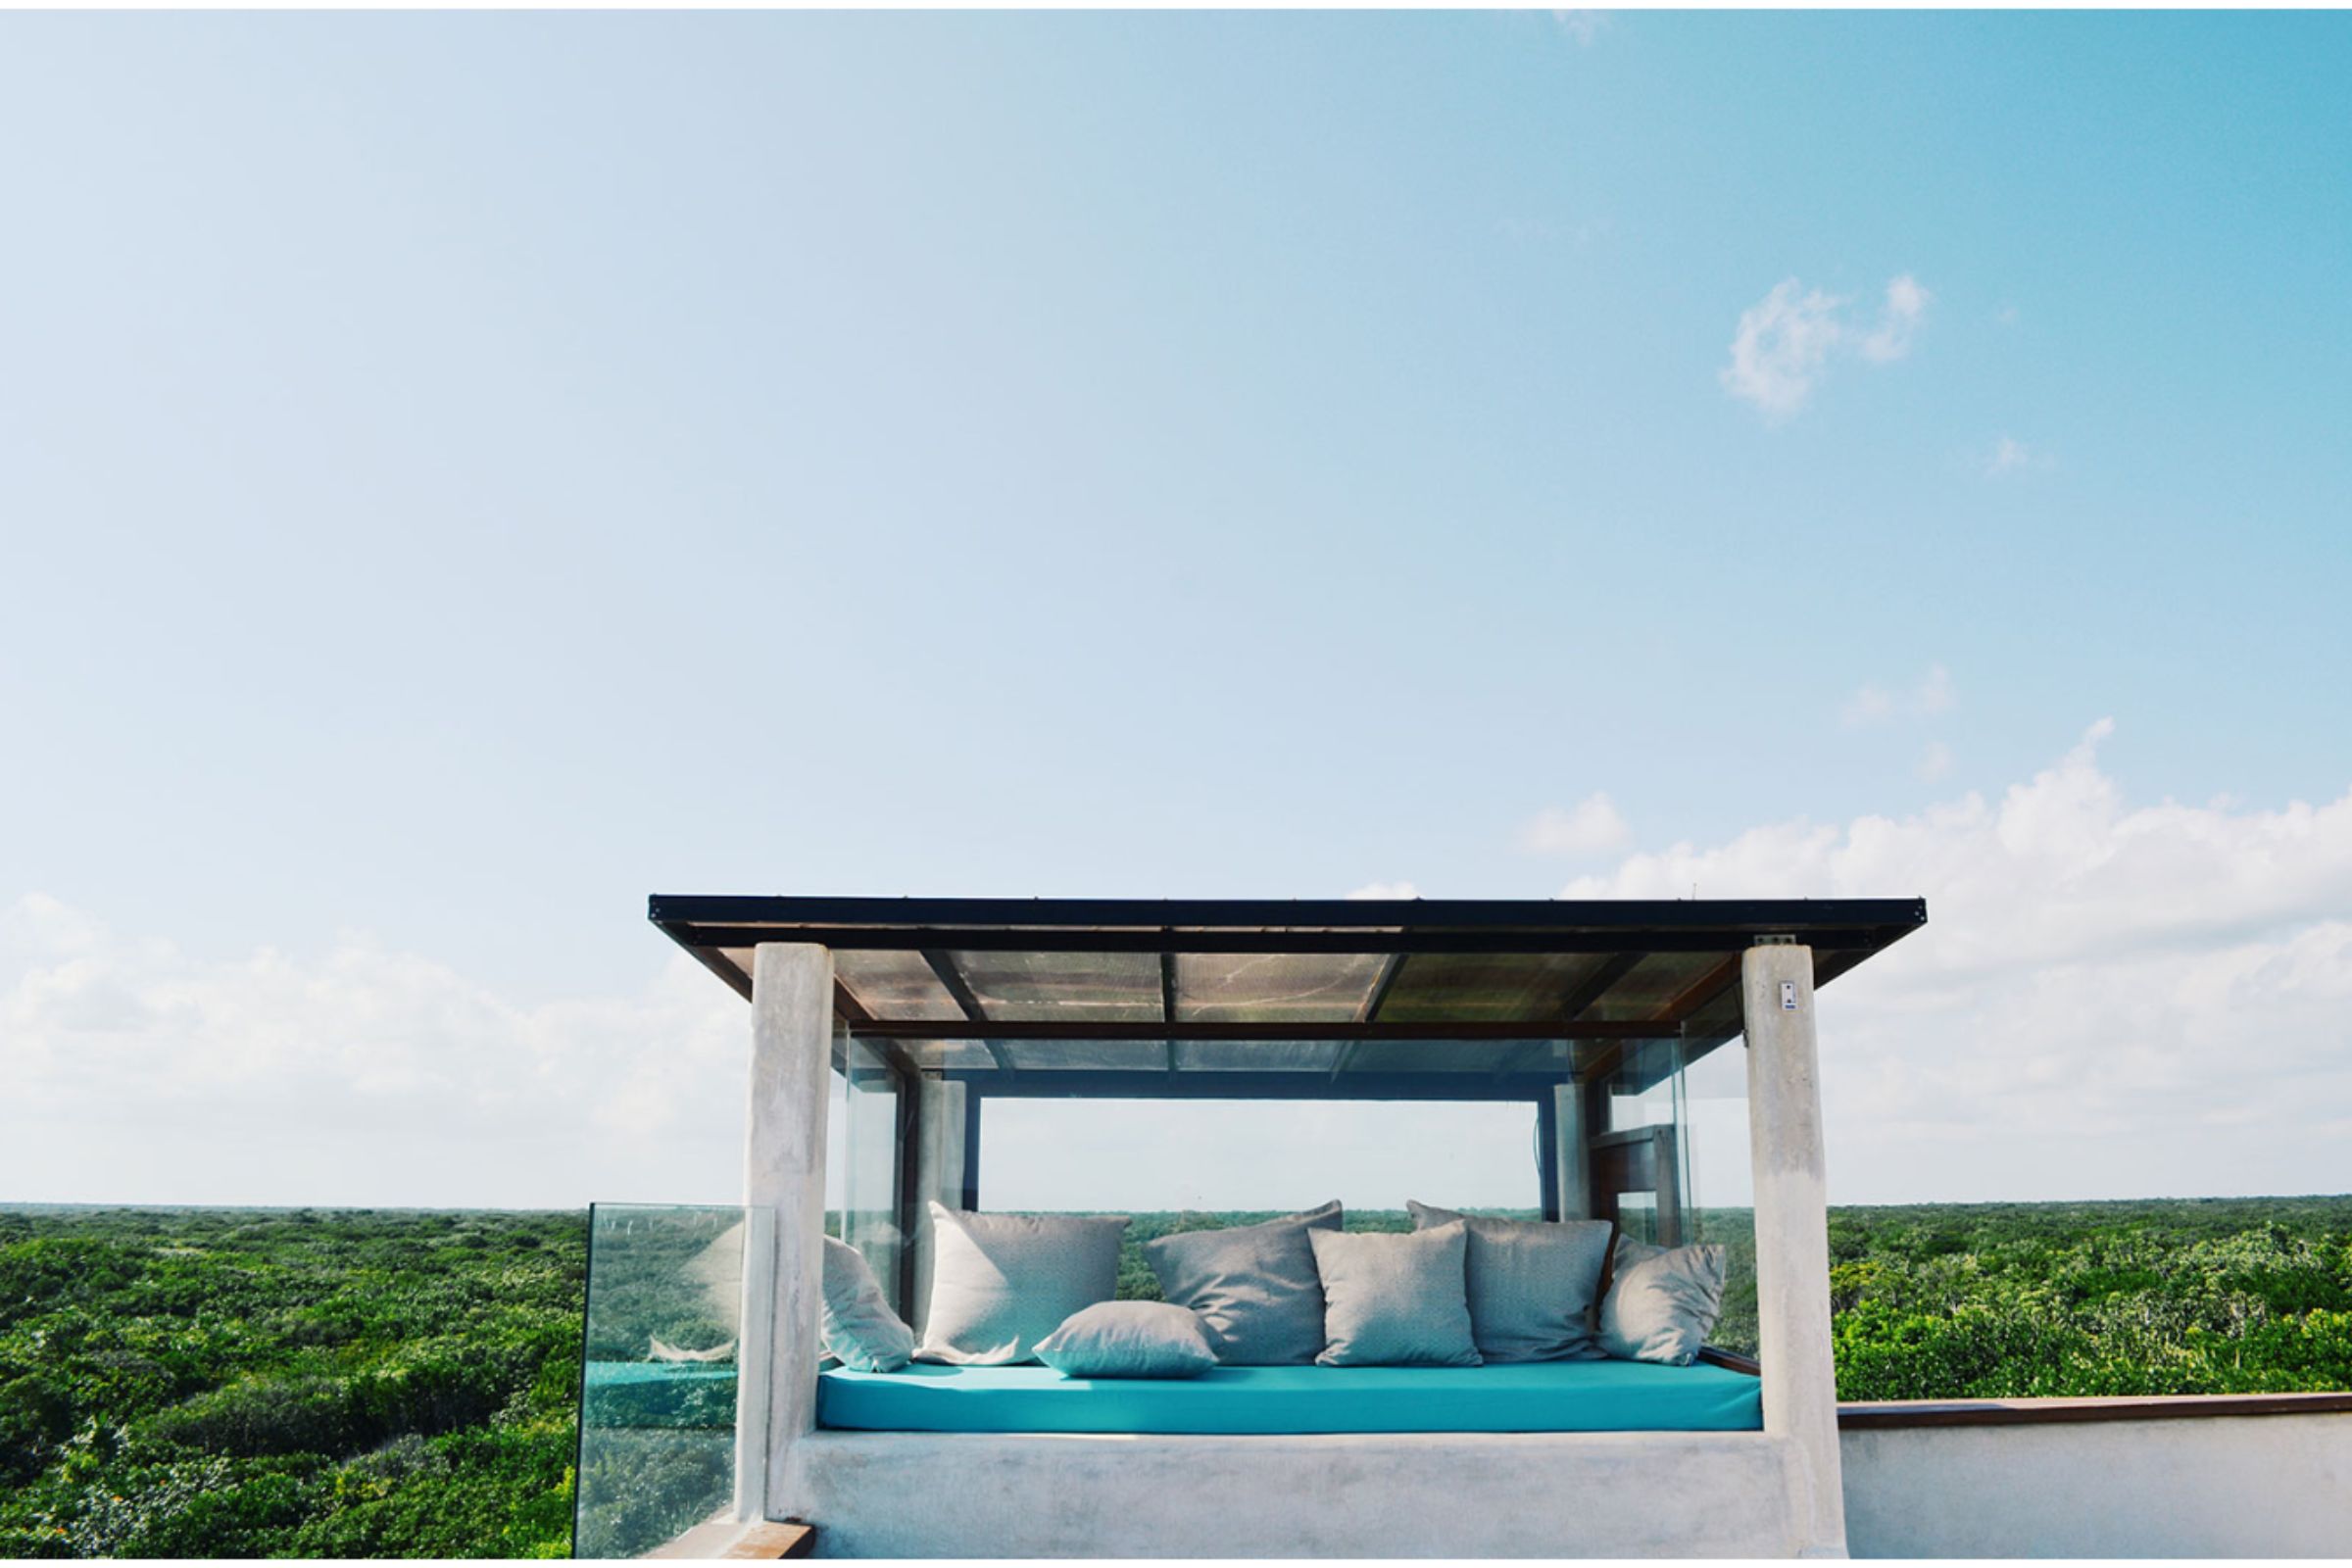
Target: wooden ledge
x,y
725,1541
1898,1413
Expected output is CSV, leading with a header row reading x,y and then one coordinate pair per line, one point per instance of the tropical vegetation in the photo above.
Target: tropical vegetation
x,y
375,1383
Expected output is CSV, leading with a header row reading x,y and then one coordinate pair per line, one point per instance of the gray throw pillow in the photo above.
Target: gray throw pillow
x,y
1129,1339
1663,1304
861,1329
1000,1283
1255,1286
1533,1284
1395,1298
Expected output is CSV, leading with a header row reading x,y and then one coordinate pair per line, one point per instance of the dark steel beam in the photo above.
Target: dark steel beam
x,y
1167,1000
1596,985
1220,1029
1152,1085
1360,940
1369,1013
1067,916
960,990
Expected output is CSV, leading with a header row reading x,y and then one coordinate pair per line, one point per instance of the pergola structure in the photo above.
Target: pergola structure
x,y
948,1003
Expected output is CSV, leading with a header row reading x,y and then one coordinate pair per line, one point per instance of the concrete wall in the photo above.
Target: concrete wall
x,y
2273,1485
1471,1495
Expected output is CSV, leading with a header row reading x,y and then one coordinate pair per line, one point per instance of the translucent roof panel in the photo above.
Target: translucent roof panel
x,y
894,983
1486,987
1256,1056
1654,984
1087,1055
1038,986
1274,986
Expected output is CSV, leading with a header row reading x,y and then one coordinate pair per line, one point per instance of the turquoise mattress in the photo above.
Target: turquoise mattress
x,y
1539,1396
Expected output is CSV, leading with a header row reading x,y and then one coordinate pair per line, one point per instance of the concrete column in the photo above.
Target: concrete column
x,y
784,1174
1792,1238
1570,1157
938,1173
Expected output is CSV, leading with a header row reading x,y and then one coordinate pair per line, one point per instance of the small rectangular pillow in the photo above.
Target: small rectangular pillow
x,y
1395,1300
1000,1283
1533,1282
1255,1286
1129,1339
861,1329
1663,1302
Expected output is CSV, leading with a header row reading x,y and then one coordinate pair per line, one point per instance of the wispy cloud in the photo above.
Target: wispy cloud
x,y
1935,762
1932,693
1590,825
133,1070
1786,341
1581,25
1387,890
1906,307
2010,455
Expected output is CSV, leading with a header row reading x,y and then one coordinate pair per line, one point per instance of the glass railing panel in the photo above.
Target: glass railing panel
x,y
657,1385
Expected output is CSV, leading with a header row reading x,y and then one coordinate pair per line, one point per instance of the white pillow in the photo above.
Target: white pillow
x,y
1129,1339
1000,1283
861,1329
1663,1304
1399,1299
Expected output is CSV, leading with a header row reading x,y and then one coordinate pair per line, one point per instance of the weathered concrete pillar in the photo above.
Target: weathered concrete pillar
x,y
1792,1240
784,1174
938,1174
1569,1156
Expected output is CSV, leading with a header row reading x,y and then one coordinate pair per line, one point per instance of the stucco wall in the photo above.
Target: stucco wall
x,y
2273,1486
1478,1495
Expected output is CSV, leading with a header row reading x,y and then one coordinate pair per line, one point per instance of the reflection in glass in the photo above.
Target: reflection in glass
x,y
657,1443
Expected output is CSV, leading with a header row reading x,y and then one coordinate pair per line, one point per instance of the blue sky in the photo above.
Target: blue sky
x,y
461,473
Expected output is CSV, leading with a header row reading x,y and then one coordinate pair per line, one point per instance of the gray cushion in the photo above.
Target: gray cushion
x,y
1663,1302
1000,1283
1395,1300
1129,1339
861,1329
1533,1284
1255,1286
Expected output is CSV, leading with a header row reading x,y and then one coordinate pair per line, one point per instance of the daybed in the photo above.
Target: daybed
x,y
1536,1397
914,1015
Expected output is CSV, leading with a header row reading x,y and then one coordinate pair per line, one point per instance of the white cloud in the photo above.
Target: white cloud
x,y
1582,25
2111,999
132,1071
1906,307
1385,890
1591,824
2012,456
1936,762
1781,346
1874,703
2108,1000
1784,342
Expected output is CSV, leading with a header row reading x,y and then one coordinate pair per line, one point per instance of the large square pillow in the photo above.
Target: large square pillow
x,y
1395,1298
1255,1286
1663,1302
860,1330
1533,1282
1000,1283
1129,1339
